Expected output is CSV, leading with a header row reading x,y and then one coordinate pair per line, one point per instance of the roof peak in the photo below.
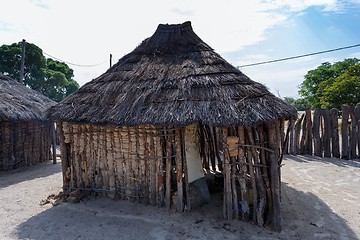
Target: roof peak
x,y
186,26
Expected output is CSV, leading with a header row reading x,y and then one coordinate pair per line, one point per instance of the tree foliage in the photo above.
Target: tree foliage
x,y
312,88
345,89
300,104
50,77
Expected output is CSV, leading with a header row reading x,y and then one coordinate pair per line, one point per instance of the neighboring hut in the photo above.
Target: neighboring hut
x,y
25,132
147,128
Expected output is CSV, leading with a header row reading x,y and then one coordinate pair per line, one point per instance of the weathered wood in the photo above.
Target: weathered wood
x,y
290,126
274,175
335,147
53,135
284,147
185,170
227,211
282,132
160,169
316,133
232,142
327,132
264,159
118,163
179,172
297,133
168,171
217,152
353,137
250,162
144,166
357,119
245,211
211,146
110,160
260,206
202,142
153,171
346,110
306,140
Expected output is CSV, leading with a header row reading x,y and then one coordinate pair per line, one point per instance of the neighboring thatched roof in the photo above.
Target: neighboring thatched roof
x,y
172,78
18,102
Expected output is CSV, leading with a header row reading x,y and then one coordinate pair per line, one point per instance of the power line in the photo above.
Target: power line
x,y
299,56
74,64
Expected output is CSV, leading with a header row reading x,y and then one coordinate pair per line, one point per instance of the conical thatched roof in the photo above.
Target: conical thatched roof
x,y
18,102
172,78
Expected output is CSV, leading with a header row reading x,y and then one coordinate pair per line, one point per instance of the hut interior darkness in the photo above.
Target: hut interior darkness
x,y
149,128
25,132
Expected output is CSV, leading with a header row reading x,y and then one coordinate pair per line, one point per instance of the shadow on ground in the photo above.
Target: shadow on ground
x,y
305,216
336,161
29,173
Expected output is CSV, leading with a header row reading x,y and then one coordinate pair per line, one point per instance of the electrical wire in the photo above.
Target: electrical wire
x,y
299,56
74,64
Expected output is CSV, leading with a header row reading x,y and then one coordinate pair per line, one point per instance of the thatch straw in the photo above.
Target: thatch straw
x,y
18,102
172,78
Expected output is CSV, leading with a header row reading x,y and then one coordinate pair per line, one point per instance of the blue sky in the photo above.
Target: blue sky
x,y
85,32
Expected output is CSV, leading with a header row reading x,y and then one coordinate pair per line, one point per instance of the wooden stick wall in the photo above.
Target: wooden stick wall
x,y
252,174
24,143
318,133
148,165
141,164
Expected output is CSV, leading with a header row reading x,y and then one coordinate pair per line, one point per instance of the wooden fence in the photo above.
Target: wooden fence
x,y
324,134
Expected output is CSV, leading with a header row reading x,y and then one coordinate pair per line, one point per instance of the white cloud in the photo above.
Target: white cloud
x,y
87,31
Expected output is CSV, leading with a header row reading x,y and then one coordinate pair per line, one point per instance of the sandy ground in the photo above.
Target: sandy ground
x,y
320,200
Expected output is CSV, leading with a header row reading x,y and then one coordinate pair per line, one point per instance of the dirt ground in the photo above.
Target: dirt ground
x,y
320,200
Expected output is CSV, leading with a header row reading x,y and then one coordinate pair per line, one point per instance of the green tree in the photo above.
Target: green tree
x,y
310,88
345,89
50,77
10,60
300,104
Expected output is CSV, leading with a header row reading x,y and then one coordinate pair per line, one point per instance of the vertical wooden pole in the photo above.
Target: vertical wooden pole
x,y
357,120
53,133
264,159
292,149
353,137
335,147
308,132
297,134
245,211
168,170
202,141
327,132
216,145
259,208
160,167
179,170
153,171
344,131
316,133
227,181
185,170
250,163
274,174
145,167
63,154
22,61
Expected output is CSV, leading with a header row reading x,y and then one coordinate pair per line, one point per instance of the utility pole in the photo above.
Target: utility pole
x,y
110,59
22,61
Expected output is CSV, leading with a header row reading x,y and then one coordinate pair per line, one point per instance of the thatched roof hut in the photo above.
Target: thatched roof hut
x,y
172,78
146,117
19,102
25,131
